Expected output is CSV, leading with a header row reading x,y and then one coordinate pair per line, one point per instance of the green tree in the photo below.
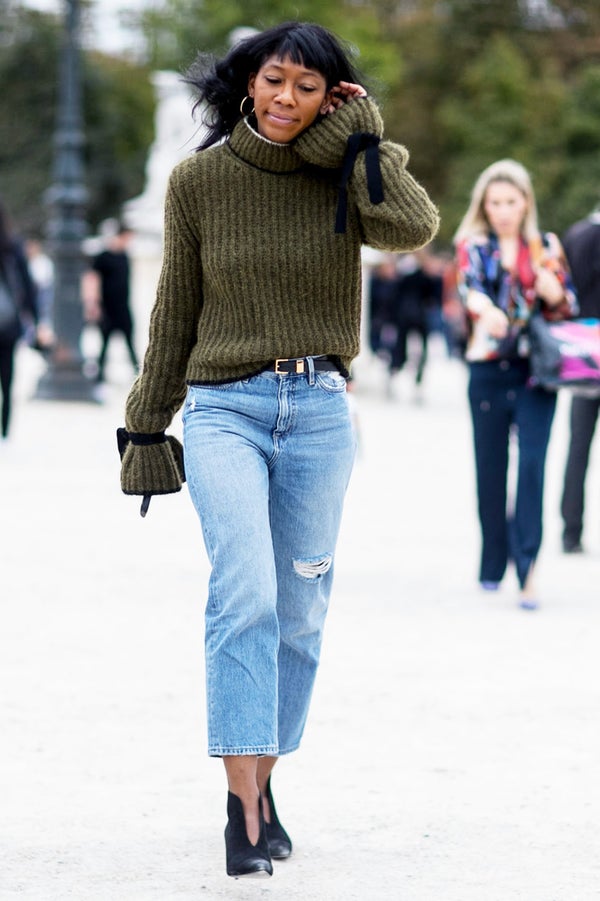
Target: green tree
x,y
501,110
27,114
119,128
179,29
485,79
581,175
118,111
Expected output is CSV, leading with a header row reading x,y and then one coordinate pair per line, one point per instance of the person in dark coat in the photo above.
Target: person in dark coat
x,y
582,247
18,304
112,267
418,293
383,295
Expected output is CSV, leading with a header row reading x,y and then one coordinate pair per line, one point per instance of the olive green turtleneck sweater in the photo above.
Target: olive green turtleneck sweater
x,y
253,269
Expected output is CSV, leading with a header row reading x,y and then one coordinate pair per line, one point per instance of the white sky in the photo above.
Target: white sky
x,y
107,35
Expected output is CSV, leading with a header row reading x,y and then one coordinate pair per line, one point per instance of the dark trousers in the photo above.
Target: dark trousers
x,y
107,332
399,354
583,418
7,358
500,403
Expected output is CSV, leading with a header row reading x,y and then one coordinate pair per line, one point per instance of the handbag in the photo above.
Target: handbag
x,y
565,354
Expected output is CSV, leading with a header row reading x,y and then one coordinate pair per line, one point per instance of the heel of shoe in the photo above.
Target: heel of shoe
x,y
280,844
242,857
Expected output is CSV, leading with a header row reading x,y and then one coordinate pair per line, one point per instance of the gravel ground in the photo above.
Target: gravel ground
x,y
452,749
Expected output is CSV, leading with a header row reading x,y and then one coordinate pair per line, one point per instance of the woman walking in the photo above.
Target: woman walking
x,y
18,302
506,267
254,329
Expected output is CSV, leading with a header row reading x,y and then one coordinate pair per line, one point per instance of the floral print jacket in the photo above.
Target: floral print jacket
x,y
479,268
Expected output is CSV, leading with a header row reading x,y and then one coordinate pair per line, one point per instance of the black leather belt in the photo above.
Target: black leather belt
x,y
299,365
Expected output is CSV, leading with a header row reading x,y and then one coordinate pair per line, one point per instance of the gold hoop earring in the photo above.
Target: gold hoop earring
x,y
247,97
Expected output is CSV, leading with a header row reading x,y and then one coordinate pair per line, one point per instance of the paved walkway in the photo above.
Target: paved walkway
x,y
452,748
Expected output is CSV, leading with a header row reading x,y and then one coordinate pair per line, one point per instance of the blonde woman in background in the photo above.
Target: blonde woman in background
x,y
506,267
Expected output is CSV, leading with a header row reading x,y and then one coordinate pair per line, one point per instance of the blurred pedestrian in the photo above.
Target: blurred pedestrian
x,y
41,268
382,299
582,247
419,294
18,309
254,329
432,267
112,294
506,266
404,293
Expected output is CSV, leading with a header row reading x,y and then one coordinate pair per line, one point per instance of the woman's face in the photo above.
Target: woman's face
x,y
504,206
287,98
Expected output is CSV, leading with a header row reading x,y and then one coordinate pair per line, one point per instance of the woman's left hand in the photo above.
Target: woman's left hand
x,y
344,92
548,287
44,336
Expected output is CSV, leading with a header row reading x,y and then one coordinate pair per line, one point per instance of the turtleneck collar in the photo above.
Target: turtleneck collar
x,y
251,147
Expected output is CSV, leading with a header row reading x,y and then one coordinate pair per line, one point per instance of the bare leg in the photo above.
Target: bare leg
x,y
242,781
528,594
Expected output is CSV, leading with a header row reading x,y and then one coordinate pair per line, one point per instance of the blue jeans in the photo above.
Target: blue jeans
x,y
500,401
267,463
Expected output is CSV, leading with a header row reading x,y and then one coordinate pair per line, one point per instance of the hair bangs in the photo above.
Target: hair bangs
x,y
307,45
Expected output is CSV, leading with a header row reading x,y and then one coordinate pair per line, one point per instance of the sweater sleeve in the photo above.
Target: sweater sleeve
x,y
404,218
160,389
324,143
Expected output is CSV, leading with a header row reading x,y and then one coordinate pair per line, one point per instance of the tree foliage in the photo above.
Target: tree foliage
x,y
119,128
27,120
179,29
487,79
118,105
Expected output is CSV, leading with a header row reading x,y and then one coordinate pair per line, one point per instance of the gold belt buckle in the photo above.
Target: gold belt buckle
x,y
299,365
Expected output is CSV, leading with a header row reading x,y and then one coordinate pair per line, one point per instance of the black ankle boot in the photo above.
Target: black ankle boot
x,y
244,858
280,844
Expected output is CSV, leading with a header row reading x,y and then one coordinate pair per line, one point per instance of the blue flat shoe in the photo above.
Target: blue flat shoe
x,y
528,604
490,586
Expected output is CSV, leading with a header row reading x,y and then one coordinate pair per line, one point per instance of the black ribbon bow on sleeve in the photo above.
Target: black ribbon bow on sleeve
x,y
358,141
141,439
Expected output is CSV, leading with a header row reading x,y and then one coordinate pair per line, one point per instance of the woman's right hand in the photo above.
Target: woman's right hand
x,y
548,287
343,93
495,321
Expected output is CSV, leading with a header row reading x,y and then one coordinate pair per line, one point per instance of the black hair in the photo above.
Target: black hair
x,y
222,84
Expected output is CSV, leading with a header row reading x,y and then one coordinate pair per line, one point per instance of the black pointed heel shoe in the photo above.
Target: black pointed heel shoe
x,y
280,844
243,858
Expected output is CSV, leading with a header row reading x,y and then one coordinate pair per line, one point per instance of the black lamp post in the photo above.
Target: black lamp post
x,y
67,198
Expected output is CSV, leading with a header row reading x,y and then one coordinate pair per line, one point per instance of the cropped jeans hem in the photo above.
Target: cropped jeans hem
x,y
263,751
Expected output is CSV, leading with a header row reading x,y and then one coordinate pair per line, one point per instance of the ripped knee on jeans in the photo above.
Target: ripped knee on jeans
x,y
313,567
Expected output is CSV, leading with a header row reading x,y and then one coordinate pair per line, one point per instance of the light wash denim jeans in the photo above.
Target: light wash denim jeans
x,y
267,463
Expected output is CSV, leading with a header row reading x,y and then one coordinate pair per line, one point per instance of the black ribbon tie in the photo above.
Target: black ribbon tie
x,y
358,141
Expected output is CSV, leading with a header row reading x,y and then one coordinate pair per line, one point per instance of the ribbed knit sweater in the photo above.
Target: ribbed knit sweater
x,y
253,269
